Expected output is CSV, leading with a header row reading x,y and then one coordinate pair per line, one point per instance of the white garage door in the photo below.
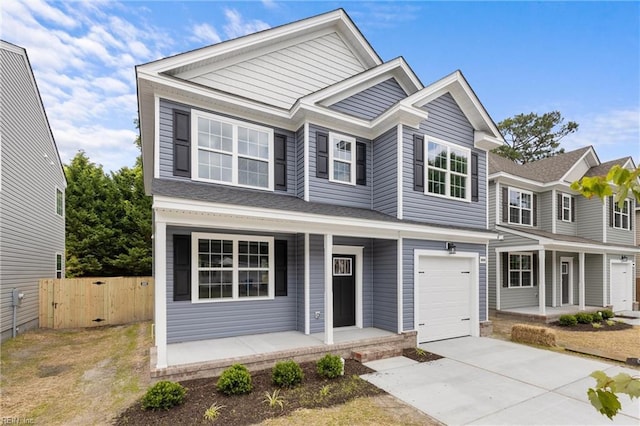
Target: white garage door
x,y
444,298
621,287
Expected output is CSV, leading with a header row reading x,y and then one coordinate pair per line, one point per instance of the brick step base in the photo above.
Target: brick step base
x,y
374,354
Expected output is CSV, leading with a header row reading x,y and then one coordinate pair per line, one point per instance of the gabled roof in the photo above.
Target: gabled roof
x,y
603,169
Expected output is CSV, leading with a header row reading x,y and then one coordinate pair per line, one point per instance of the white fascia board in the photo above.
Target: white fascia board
x,y
199,213
591,152
508,249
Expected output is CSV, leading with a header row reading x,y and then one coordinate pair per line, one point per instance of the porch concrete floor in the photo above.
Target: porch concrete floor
x,y
233,347
551,311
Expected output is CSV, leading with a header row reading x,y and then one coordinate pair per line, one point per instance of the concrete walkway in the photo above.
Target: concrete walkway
x,y
488,381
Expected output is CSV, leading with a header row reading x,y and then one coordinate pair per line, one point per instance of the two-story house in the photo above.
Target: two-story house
x,y
32,188
302,185
558,251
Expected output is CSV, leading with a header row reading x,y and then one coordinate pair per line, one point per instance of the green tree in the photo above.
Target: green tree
x,y
618,182
531,137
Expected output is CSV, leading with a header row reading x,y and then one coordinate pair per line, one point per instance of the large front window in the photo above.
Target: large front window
x,y
447,170
232,152
342,158
520,207
521,270
621,215
232,267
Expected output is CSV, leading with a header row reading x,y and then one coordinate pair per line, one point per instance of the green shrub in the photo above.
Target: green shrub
x,y
286,374
584,318
235,380
330,366
163,395
607,314
568,320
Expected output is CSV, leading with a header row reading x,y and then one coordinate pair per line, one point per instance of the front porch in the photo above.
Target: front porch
x,y
551,313
208,358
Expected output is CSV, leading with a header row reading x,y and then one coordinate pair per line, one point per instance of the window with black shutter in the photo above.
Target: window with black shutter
x,y
361,163
322,155
418,163
181,267
280,167
475,190
281,267
181,143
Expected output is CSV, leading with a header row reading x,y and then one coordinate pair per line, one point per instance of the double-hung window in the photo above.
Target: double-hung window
x,y
448,170
342,157
232,152
521,270
520,207
566,208
59,266
621,215
59,202
232,267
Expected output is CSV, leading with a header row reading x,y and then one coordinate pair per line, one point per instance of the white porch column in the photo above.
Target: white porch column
x,y
498,263
307,286
541,283
160,309
328,289
400,279
554,279
581,281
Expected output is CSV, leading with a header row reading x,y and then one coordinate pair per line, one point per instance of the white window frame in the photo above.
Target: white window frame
x,y
448,171
617,212
530,255
61,270
352,163
61,213
566,207
520,208
235,238
235,155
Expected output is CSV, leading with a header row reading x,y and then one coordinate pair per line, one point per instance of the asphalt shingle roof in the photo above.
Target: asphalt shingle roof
x,y
603,168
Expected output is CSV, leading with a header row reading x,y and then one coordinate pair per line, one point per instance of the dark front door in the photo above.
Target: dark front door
x,y
344,290
565,282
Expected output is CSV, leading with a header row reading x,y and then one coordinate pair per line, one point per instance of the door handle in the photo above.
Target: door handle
x,y
421,323
465,319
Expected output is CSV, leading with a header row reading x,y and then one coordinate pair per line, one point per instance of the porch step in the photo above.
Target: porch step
x,y
374,354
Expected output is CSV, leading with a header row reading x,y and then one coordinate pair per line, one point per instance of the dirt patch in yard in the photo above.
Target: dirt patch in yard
x,y
419,355
80,376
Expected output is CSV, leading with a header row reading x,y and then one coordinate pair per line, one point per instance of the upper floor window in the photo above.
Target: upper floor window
x,y
566,208
448,170
342,158
59,202
621,215
520,207
232,152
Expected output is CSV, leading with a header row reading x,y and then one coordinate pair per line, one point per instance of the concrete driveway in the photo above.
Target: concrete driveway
x,y
488,381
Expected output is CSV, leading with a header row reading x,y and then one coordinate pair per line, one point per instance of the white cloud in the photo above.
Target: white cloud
x,y
205,33
269,4
236,26
51,14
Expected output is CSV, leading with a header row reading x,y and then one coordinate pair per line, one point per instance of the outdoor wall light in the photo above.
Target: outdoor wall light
x,y
451,247
624,258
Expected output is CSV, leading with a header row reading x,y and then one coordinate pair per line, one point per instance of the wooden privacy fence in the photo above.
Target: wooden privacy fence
x,y
93,302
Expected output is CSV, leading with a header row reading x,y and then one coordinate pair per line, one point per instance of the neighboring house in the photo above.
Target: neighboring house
x,y
302,184
558,248
32,187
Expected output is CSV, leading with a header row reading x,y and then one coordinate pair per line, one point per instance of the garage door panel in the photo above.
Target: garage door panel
x,y
621,281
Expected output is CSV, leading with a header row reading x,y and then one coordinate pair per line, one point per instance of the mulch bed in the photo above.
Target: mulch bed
x,y
420,356
313,392
589,327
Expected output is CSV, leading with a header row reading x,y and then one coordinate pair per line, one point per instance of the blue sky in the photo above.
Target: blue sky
x,y
581,58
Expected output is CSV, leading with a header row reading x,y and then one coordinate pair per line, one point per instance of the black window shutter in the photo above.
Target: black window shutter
x,y
280,166
322,155
505,204
474,177
631,214
573,209
181,267
560,213
181,143
534,274
534,211
361,163
611,211
418,163
281,267
505,269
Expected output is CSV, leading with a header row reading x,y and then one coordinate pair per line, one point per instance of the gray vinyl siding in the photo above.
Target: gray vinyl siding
x,y
283,76
316,282
299,174
385,173
621,236
545,211
589,218
509,297
385,278
325,191
367,273
373,101
492,204
188,321
166,144
31,232
593,276
408,248
446,122
564,227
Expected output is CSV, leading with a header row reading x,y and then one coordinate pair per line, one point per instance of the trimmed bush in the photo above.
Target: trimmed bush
x,y
330,366
584,318
607,314
235,380
534,335
567,320
163,395
286,374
